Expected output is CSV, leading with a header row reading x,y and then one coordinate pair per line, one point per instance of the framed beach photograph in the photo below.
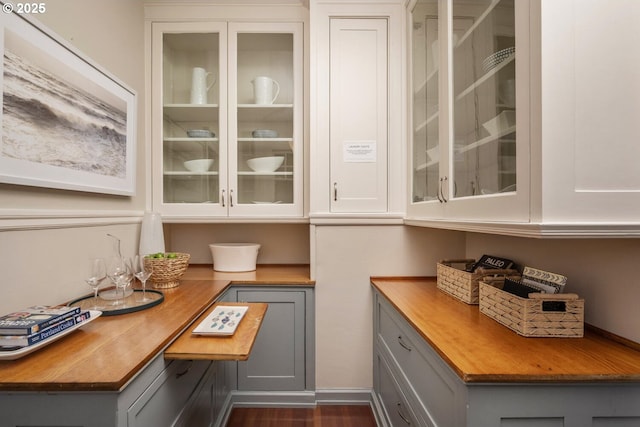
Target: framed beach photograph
x,y
65,122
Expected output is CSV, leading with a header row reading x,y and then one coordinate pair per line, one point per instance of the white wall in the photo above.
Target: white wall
x,y
346,257
46,236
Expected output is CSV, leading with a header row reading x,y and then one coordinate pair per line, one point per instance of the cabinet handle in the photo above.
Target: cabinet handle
x,y
222,198
440,191
335,191
230,198
404,418
402,343
444,182
185,370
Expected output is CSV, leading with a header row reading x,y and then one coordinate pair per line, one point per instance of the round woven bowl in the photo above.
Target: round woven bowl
x,y
165,272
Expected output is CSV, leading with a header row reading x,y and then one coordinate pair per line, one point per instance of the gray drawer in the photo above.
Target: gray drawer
x,y
432,382
397,410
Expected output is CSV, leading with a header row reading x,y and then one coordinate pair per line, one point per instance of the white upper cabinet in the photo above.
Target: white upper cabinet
x,y
522,116
468,135
227,120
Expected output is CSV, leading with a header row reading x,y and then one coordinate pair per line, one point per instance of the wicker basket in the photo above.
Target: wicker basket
x,y
540,315
166,271
463,285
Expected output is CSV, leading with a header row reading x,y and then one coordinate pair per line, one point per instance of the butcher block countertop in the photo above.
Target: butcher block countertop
x,y
107,353
480,350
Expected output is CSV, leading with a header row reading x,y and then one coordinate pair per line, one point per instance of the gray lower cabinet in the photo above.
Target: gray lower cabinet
x,y
283,355
414,387
164,394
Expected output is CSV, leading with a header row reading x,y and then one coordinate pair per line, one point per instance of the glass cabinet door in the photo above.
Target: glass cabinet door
x,y
190,68
463,73
265,133
484,98
426,108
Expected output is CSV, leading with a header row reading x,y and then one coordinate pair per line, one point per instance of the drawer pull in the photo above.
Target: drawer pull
x,y
185,370
404,418
403,344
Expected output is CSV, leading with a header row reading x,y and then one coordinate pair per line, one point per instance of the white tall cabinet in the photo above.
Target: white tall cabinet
x,y
357,111
209,71
517,124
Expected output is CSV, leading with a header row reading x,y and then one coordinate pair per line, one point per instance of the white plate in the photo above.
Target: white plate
x,y
16,354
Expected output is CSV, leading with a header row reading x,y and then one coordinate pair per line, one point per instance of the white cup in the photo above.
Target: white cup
x,y
199,87
263,90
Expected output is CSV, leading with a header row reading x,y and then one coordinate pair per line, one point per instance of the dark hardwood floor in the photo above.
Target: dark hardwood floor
x,y
320,416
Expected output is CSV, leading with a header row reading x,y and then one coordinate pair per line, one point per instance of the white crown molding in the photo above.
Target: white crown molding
x,y
39,219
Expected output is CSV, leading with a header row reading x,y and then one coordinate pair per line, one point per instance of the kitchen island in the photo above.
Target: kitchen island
x,y
440,362
112,371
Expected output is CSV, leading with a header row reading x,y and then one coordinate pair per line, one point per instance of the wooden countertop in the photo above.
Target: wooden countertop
x,y
277,274
107,353
235,347
480,349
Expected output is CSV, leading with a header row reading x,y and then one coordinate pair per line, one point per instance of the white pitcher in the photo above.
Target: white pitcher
x,y
263,90
199,87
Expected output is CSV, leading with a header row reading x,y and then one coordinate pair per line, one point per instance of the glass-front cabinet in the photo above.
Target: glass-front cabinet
x,y
469,130
227,123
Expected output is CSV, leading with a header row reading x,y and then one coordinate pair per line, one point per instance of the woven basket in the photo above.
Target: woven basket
x,y
540,315
165,272
463,285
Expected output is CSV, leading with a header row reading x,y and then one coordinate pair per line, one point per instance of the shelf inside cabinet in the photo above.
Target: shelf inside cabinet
x,y
485,77
478,21
191,112
271,112
251,173
188,173
488,139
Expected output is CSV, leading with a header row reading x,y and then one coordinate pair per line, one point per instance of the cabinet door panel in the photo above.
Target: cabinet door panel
x,y
277,359
358,114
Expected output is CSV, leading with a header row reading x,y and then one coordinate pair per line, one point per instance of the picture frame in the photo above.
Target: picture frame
x,y
65,122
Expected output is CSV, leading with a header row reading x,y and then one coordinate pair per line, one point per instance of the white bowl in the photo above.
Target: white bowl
x,y
265,164
234,256
198,165
501,122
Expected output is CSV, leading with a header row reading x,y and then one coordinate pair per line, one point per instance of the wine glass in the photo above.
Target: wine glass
x,y
95,274
142,273
119,274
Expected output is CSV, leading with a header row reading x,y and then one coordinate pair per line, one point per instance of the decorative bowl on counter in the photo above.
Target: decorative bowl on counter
x,y
200,133
198,165
265,164
232,257
166,270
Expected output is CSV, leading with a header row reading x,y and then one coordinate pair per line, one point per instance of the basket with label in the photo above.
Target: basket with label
x,y
460,278
529,310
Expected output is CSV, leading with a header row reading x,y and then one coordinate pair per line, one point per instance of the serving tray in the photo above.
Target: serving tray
x,y
132,303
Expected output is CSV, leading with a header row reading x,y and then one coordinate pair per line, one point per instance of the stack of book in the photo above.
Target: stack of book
x,y
36,324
